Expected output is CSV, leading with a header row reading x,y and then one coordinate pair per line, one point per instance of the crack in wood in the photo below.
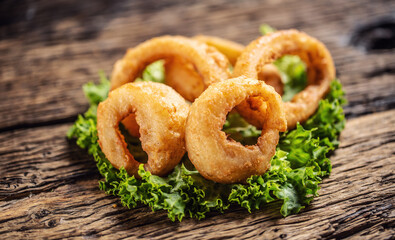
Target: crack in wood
x,y
53,122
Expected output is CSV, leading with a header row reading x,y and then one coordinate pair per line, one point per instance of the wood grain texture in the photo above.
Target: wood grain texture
x,y
40,161
50,49
357,200
48,186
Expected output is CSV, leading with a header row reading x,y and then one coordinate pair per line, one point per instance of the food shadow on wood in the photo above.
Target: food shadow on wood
x,y
76,155
131,217
143,218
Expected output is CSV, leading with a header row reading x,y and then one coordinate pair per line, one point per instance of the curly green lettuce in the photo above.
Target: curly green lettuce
x,y
292,70
155,72
299,165
183,192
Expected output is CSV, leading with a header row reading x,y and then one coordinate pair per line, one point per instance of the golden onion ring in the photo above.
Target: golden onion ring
x,y
265,50
271,76
183,77
208,62
160,113
231,50
210,65
214,155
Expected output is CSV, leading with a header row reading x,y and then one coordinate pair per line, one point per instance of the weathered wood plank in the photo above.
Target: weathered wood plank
x,y
49,50
48,186
356,201
40,159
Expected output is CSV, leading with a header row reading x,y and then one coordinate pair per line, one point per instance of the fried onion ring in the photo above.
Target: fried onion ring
x,y
265,50
160,113
271,75
182,76
231,50
208,62
214,155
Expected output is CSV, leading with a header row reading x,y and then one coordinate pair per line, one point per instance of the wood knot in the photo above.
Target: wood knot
x,y
40,214
51,223
375,35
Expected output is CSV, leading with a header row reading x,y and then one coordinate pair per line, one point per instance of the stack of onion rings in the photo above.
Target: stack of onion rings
x,y
185,79
182,76
209,63
197,69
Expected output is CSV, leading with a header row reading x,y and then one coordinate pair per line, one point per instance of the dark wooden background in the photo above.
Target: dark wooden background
x,y
48,49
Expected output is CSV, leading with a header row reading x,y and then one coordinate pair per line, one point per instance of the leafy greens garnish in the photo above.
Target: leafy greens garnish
x,y
292,70
297,168
155,72
299,165
293,75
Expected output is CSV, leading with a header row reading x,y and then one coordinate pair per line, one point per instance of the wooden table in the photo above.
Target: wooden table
x,y
49,187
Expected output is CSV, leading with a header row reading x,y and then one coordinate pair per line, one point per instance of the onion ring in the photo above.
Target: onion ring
x,y
271,76
160,113
224,160
265,50
131,125
231,50
182,76
210,66
209,63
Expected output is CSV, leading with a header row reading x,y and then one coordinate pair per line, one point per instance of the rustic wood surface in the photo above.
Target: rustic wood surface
x,y
48,49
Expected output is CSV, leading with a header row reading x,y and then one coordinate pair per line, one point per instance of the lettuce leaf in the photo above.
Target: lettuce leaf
x,y
293,75
300,162
265,29
183,192
240,130
97,93
292,70
299,165
155,72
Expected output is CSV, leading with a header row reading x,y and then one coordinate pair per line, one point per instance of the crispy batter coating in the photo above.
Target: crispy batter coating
x,y
214,155
231,50
160,113
208,62
271,75
183,77
208,65
265,50
131,125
